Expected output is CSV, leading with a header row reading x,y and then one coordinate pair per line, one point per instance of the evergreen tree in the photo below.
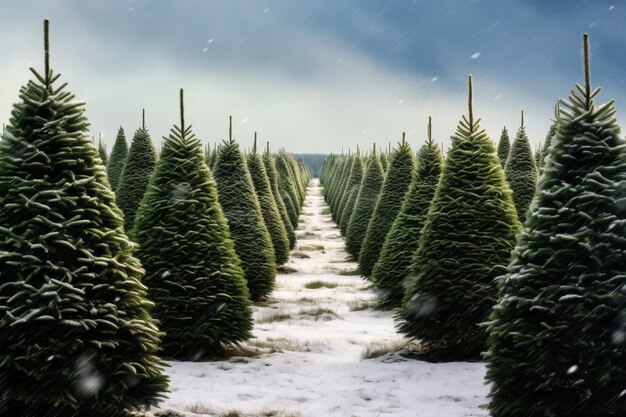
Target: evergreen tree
x,y
115,165
348,210
102,152
557,332
192,271
77,336
394,188
365,204
394,264
245,221
465,244
136,174
354,181
521,172
207,155
270,169
504,146
551,133
271,216
287,188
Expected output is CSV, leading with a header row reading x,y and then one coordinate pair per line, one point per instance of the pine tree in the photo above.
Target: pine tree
x,y
521,172
504,146
77,336
545,150
207,155
138,169
557,332
117,159
394,188
354,181
269,210
287,188
365,204
245,221
270,169
102,152
465,244
394,264
192,271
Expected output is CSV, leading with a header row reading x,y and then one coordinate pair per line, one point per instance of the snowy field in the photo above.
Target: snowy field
x,y
314,342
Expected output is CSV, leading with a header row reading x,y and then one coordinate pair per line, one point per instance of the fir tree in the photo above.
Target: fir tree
x,y
287,188
102,152
521,172
394,188
365,204
557,332
115,165
271,216
551,133
465,244
270,169
354,181
77,336
394,264
192,271
138,169
245,221
504,146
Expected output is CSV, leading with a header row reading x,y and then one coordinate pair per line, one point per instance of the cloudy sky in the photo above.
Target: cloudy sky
x,y
316,76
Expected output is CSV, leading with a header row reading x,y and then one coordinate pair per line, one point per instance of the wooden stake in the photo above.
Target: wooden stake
x,y
143,119
522,119
254,144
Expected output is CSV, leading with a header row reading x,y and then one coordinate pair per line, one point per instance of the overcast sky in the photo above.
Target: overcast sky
x,y
313,76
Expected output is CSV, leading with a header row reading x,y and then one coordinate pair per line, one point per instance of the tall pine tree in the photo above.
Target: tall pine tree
x,y
556,341
365,204
504,146
270,169
394,265
394,188
245,220
465,244
77,336
102,151
521,172
269,210
192,271
117,159
136,174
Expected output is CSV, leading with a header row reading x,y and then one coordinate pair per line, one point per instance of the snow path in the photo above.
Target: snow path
x,y
318,337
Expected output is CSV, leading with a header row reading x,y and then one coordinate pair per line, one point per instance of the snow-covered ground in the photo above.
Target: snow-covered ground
x,y
315,339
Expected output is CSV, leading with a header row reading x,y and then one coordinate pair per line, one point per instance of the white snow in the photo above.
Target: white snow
x,y
317,369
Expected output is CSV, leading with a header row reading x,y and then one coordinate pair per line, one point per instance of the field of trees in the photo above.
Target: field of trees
x,y
216,281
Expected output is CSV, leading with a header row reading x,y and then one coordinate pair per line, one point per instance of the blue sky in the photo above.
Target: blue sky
x,y
316,75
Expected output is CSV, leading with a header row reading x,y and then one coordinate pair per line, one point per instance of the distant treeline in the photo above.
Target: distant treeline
x,y
313,160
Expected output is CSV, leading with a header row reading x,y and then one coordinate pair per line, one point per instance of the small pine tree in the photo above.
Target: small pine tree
x,y
192,271
271,216
270,169
504,146
521,172
465,244
102,151
545,150
392,194
366,200
77,336
245,221
115,165
136,174
394,265
557,332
